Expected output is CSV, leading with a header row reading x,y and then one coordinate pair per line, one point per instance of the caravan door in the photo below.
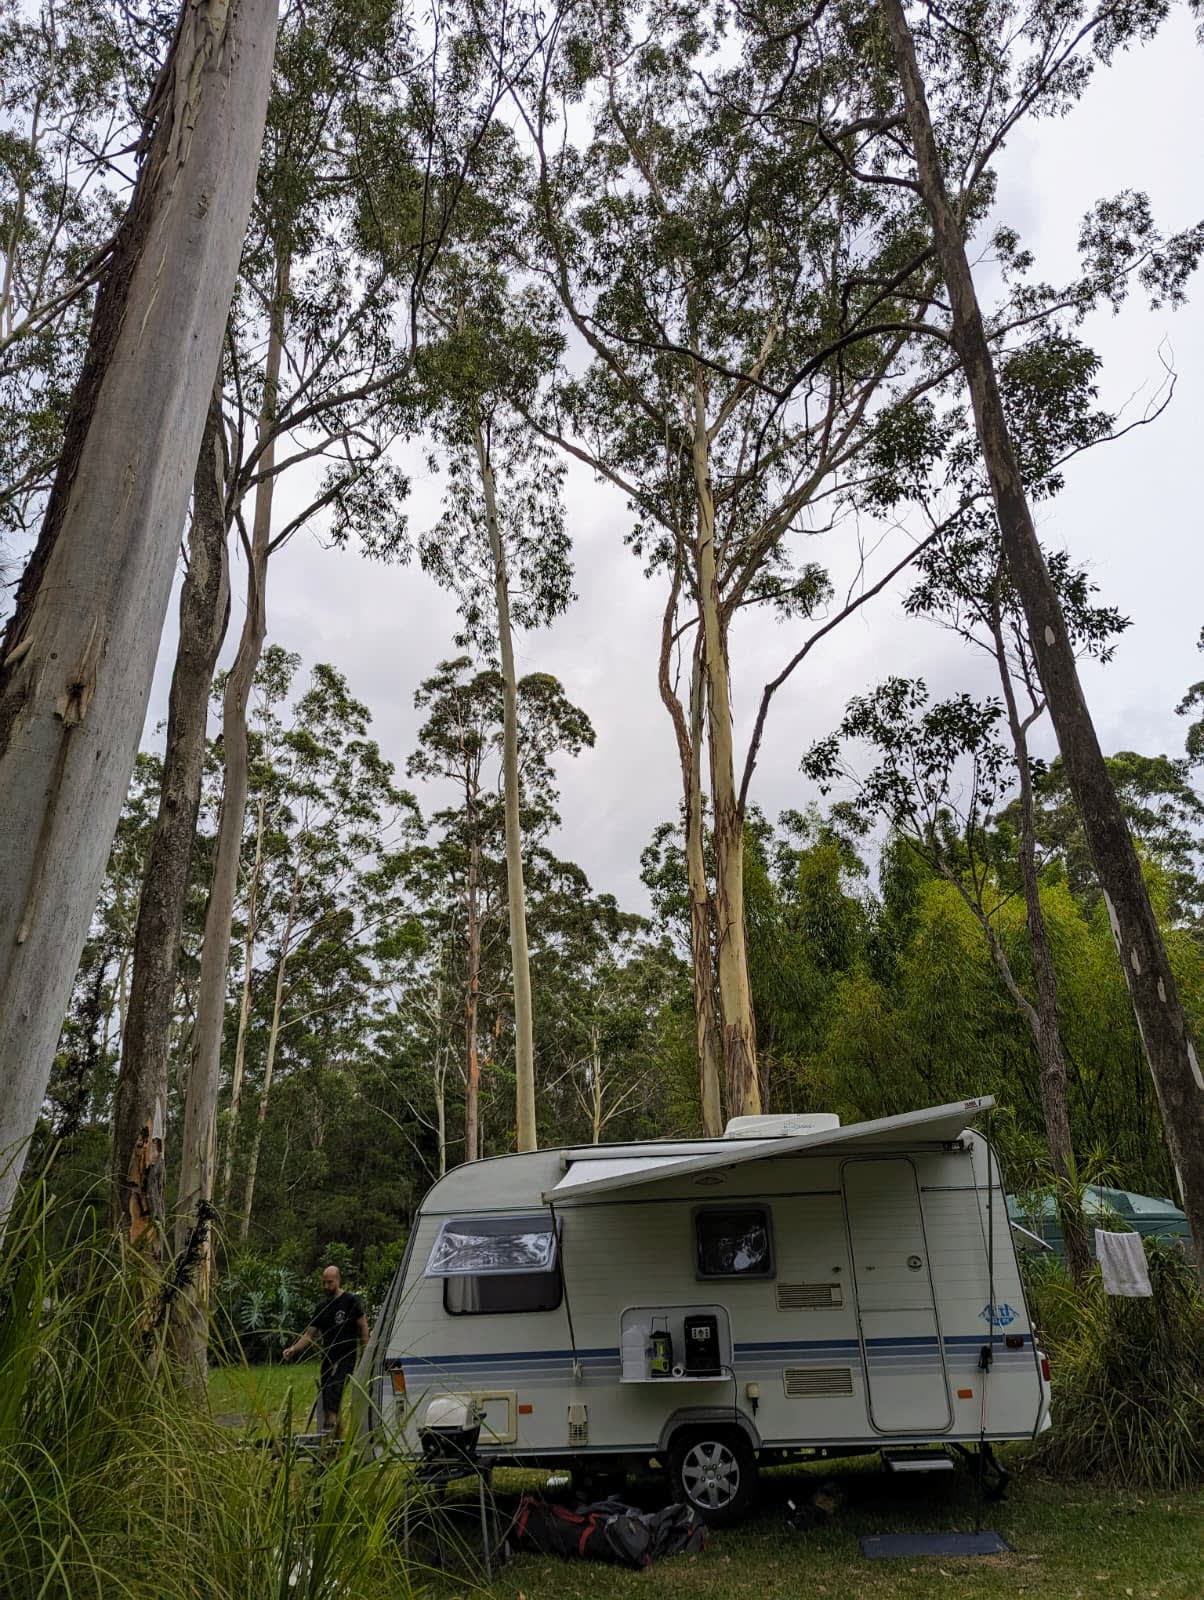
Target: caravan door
x,y
906,1381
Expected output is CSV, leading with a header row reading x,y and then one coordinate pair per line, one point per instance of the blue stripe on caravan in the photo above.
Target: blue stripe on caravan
x,y
880,1349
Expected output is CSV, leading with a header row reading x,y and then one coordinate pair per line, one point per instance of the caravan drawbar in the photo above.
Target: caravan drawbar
x,y
795,1286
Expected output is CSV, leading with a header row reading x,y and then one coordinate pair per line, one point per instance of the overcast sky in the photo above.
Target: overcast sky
x,y
1130,512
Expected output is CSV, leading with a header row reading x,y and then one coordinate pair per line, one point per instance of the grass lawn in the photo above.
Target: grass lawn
x,y
257,1394
1069,1542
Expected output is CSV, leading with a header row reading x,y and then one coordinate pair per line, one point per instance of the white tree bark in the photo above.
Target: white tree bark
x,y
78,656
269,1066
520,960
234,1114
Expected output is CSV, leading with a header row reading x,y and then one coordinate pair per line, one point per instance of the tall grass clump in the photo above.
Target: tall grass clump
x,y
116,1482
1128,1375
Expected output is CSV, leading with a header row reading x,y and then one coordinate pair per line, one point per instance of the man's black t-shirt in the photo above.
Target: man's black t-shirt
x,y
336,1321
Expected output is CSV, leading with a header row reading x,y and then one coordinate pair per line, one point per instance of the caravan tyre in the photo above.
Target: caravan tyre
x,y
713,1469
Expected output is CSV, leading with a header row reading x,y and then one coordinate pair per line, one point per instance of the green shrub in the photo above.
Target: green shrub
x,y
1128,1375
115,1482
261,1307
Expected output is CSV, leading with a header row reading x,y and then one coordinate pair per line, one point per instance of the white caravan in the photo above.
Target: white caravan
x,y
793,1287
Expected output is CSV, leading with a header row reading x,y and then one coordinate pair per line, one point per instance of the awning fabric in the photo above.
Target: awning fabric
x,y
607,1175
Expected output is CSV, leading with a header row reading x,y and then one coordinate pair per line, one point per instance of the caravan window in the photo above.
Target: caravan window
x,y
734,1242
511,1291
477,1245
497,1264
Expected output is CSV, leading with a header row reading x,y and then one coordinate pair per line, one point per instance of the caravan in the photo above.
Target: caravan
x,y
793,1287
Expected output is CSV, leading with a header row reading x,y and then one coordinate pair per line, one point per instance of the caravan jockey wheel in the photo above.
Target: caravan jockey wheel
x,y
715,1471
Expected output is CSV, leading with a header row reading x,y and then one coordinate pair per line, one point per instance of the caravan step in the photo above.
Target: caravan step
x,y
918,1460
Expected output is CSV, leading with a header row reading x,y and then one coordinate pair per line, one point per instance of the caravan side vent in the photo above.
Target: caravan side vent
x,y
801,1382
578,1424
808,1296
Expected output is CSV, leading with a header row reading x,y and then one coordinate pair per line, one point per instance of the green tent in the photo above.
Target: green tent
x,y
1118,1210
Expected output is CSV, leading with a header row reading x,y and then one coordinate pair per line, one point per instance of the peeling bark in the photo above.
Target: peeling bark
x,y
727,823
1162,1024
78,655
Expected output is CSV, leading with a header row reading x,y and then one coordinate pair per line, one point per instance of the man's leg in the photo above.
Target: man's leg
x,y
332,1400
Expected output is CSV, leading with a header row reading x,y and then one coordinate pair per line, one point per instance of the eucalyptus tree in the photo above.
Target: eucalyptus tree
x,y
372,140
339,814
66,125
461,744
1193,700
1045,71
733,285
78,653
942,769
1165,814
502,531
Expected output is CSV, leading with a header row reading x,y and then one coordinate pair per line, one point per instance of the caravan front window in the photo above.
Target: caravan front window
x,y
497,1264
733,1242
471,1246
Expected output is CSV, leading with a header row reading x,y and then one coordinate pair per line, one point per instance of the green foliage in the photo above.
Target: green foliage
x,y
114,1482
1128,1376
261,1306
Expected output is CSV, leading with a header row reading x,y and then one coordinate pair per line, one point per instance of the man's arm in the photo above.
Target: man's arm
x,y
310,1336
362,1325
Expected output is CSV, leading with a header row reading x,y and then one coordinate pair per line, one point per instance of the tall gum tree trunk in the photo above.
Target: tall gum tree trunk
x,y
233,1115
197,1153
596,1104
520,961
1161,1021
735,998
140,1104
689,735
472,1061
269,1065
1055,1102
79,652
706,1030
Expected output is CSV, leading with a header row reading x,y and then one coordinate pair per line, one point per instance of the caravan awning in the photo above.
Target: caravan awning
x,y
606,1175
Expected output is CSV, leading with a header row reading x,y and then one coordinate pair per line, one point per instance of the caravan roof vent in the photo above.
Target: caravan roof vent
x,y
784,1127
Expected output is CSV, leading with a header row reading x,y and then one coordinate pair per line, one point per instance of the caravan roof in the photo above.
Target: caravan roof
x,y
598,1170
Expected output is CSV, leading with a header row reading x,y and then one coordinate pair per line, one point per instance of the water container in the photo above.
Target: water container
x,y
635,1352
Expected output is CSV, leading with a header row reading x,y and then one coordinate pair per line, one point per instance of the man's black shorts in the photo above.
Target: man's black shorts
x,y
334,1381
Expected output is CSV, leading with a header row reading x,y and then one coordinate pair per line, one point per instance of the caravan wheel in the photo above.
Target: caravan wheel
x,y
715,1471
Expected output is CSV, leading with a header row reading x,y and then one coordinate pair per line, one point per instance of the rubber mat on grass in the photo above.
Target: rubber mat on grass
x,y
987,1543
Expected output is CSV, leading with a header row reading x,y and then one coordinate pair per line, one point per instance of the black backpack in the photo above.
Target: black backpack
x,y
608,1530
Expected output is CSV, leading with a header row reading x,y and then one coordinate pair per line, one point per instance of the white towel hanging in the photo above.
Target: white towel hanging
x,y
1123,1265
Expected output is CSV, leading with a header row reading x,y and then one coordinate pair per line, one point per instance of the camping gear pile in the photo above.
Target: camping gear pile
x,y
607,1530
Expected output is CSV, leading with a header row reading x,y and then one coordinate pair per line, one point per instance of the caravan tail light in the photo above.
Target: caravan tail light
x,y
399,1381
1045,1368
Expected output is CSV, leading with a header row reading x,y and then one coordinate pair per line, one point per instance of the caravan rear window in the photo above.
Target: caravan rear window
x,y
734,1242
494,1265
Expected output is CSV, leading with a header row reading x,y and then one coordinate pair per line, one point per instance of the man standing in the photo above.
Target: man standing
x,y
340,1326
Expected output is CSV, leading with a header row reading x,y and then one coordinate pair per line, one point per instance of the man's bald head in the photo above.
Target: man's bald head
x,y
331,1280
